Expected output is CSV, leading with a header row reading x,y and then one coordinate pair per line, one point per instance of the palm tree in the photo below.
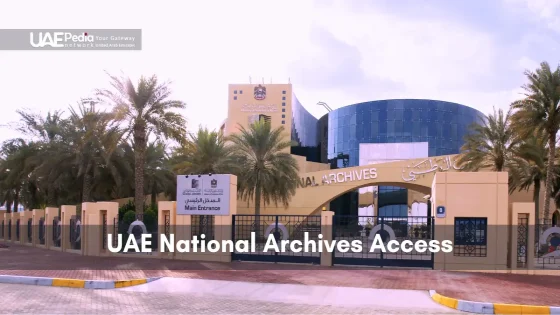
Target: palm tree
x,y
95,139
490,144
202,153
540,110
158,174
529,167
146,109
266,172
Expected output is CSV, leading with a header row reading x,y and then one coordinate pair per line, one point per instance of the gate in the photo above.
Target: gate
x,y
75,232
30,230
41,231
365,228
56,232
547,249
282,227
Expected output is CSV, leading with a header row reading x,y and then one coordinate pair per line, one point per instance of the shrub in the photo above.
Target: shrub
x,y
150,218
129,217
126,208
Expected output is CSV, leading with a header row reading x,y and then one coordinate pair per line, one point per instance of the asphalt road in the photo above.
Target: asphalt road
x,y
28,299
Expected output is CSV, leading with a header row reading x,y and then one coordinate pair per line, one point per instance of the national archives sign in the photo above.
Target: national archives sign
x,y
410,173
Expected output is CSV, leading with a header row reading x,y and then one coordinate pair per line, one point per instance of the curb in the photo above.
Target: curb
x,y
75,283
492,308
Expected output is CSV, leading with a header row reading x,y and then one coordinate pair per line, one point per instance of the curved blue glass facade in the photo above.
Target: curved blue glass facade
x,y
304,132
442,124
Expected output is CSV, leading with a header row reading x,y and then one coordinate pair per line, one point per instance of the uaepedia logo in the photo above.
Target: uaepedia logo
x,y
58,39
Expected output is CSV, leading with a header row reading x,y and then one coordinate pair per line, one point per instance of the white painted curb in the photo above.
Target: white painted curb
x,y
75,283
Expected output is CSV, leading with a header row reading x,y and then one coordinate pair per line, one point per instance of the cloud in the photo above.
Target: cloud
x,y
547,11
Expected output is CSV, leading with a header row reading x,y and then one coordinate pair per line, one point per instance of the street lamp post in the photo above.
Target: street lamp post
x,y
327,107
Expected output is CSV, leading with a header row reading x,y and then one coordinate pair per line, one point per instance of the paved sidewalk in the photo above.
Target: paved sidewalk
x,y
497,288
25,299
343,297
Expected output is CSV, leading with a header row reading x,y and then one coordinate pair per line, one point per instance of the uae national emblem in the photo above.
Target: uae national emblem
x,y
214,183
260,92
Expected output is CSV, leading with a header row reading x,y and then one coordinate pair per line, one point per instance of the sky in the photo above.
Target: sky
x,y
472,52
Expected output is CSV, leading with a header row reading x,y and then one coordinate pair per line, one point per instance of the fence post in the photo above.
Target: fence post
x,y
167,212
327,226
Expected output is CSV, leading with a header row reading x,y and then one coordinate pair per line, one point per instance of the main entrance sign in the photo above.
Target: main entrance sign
x,y
203,194
340,177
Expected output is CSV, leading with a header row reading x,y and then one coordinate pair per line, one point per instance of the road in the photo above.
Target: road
x,y
175,296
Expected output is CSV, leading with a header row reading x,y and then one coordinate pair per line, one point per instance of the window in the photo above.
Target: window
x,y
240,91
283,110
283,98
235,92
283,116
283,122
470,237
235,98
283,92
283,104
264,118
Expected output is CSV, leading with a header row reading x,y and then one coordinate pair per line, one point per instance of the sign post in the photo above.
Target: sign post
x,y
203,194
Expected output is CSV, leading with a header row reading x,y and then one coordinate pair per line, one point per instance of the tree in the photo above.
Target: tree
x,y
146,109
490,144
202,153
529,167
266,172
94,140
540,110
158,174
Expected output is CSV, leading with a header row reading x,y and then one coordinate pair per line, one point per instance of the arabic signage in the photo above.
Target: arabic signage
x,y
203,194
259,108
442,164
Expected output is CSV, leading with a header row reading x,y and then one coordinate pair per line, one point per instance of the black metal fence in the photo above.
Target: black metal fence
x,y
41,231
30,230
365,229
75,232
522,239
56,232
547,249
10,230
2,230
18,229
104,230
203,225
258,229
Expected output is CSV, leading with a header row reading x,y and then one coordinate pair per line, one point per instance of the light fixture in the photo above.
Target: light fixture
x,y
327,107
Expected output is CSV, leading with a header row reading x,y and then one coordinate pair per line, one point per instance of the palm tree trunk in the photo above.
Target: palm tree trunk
x,y
536,199
9,205
87,186
51,197
258,211
139,156
16,200
549,173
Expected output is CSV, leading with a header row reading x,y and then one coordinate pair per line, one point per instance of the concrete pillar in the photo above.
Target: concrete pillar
x,y
51,241
100,222
25,218
66,214
38,232
327,231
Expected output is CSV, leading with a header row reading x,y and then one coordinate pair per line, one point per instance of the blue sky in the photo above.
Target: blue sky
x,y
472,52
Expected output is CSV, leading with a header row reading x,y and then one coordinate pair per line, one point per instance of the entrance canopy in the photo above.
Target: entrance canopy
x,y
318,188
